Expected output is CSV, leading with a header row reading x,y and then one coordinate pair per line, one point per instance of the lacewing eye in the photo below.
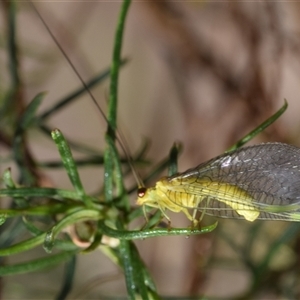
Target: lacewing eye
x,y
141,192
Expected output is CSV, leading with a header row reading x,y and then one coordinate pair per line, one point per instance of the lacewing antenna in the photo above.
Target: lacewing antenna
x,y
119,137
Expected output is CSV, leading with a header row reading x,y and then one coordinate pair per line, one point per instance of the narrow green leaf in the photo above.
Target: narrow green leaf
x,y
259,128
20,202
10,99
127,263
111,160
29,114
40,210
12,45
20,154
108,174
138,271
58,194
68,279
68,161
75,95
23,246
115,67
38,264
136,234
31,227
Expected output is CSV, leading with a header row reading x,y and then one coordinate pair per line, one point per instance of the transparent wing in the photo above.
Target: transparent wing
x,y
220,209
268,173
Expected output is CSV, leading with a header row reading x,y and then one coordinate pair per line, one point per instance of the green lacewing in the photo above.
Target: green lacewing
x,y
260,182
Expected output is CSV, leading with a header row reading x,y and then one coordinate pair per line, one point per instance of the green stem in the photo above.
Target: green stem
x,y
41,210
53,193
114,72
38,264
259,128
13,51
111,158
127,262
135,234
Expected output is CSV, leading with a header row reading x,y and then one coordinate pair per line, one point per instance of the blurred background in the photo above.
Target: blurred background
x,y
202,73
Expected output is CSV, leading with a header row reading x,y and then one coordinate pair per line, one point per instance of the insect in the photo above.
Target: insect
x,y
260,182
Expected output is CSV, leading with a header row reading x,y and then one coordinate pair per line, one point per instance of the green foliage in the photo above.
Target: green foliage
x,y
60,208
